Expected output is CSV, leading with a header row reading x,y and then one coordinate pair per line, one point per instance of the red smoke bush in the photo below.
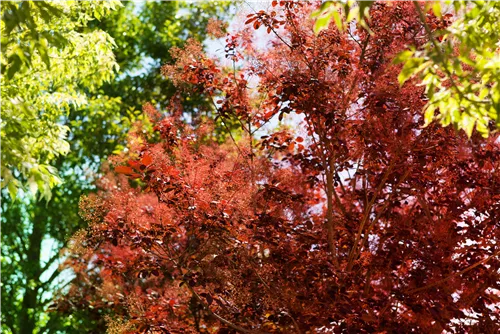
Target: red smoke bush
x,y
365,222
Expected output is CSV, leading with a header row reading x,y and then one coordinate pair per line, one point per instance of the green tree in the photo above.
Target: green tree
x,y
143,42
49,64
144,35
34,231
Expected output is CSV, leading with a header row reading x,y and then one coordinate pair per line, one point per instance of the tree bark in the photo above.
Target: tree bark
x,y
32,272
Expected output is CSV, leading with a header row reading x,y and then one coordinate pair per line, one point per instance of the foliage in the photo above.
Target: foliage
x,y
459,65
342,13
143,42
32,234
144,37
49,66
360,221
34,231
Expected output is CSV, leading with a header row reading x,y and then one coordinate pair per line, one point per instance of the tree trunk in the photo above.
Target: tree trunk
x,y
32,272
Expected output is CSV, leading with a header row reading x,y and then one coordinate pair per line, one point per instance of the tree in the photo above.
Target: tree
x,y
35,230
143,40
458,65
48,66
359,221
144,37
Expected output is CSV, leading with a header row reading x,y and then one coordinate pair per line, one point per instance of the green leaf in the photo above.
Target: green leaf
x,y
12,186
403,56
429,114
410,68
338,20
42,49
32,185
468,124
322,23
436,8
14,67
364,11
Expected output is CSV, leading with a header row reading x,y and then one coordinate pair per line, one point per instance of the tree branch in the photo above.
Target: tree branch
x,y
483,261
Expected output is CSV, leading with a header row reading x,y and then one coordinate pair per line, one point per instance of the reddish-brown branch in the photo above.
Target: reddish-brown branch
x,y
431,285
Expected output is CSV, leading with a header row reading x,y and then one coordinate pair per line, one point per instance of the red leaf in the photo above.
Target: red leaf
x,y
250,20
133,164
124,170
146,160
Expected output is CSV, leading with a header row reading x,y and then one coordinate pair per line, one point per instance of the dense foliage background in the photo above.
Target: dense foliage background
x,y
326,167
